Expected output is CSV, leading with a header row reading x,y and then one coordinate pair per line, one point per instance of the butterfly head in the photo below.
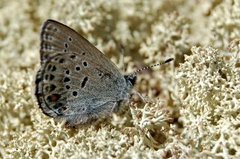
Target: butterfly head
x,y
131,79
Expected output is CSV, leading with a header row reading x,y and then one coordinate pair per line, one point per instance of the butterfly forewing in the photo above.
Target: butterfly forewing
x,y
59,38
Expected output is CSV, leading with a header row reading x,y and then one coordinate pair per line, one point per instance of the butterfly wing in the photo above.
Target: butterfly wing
x,y
59,38
76,82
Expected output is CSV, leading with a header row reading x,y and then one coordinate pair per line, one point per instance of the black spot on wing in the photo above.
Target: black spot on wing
x,y
84,82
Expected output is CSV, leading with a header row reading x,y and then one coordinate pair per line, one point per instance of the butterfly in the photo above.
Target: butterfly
x,y
76,82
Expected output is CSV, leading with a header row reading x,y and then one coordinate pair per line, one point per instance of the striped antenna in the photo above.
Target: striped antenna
x,y
148,67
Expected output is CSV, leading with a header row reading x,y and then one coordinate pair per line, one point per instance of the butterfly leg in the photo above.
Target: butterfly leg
x,y
144,99
138,94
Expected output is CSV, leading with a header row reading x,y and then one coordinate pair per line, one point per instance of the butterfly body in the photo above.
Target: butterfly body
x,y
76,82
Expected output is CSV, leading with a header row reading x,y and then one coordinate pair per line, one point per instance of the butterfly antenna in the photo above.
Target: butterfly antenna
x,y
148,67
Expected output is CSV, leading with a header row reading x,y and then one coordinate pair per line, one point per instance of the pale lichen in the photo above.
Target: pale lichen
x,y
150,123
208,86
193,109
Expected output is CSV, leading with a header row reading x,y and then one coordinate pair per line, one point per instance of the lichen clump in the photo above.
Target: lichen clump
x,y
209,88
193,103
